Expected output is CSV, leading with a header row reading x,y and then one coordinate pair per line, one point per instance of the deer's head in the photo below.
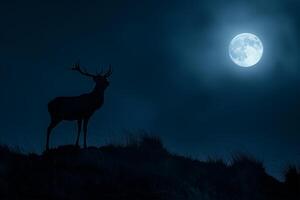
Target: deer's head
x,y
101,79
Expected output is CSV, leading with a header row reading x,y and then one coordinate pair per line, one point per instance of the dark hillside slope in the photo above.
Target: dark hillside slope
x,y
140,170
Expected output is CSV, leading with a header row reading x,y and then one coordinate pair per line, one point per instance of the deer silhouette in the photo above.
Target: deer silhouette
x,y
78,108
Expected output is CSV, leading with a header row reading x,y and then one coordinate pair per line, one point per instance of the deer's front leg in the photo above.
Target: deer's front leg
x,y
85,124
79,122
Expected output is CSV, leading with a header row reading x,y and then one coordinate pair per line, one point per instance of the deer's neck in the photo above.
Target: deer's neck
x,y
98,92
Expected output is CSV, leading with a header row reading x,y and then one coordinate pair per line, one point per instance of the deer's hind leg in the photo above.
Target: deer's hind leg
x,y
52,124
79,122
85,126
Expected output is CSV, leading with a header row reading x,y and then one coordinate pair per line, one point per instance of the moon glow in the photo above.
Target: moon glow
x,y
245,49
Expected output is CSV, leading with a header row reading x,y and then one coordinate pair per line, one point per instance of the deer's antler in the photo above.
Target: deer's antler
x,y
76,67
109,72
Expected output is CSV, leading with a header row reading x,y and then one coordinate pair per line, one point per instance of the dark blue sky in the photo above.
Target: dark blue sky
x,y
172,74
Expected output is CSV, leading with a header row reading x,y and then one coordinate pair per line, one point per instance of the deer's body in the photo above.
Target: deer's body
x,y
75,108
78,108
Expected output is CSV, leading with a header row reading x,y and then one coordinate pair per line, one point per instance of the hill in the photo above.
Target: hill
x,y
143,169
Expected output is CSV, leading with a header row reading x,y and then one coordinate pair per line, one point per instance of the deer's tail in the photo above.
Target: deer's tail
x,y
52,107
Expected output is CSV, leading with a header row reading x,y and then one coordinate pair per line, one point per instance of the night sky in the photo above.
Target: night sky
x,y
172,75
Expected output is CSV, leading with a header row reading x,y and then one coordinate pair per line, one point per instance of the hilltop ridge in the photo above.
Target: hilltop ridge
x,y
143,169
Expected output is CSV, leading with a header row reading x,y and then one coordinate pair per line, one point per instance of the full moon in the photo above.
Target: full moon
x,y
245,49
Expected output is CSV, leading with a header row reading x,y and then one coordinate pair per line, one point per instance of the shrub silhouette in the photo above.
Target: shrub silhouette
x,y
292,181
